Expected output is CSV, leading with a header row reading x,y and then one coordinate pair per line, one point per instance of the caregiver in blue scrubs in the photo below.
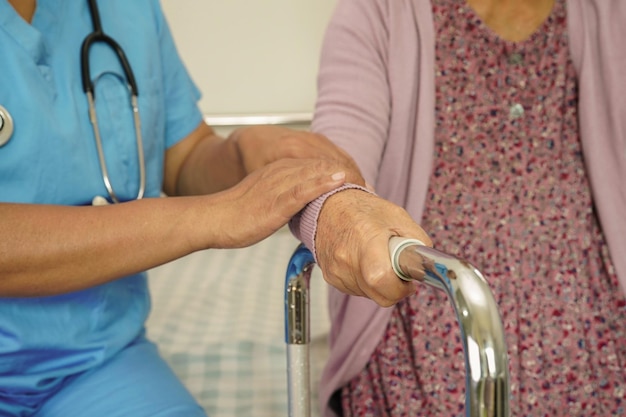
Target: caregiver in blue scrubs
x,y
73,294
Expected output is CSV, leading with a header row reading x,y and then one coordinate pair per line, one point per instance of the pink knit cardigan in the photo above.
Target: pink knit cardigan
x,y
376,100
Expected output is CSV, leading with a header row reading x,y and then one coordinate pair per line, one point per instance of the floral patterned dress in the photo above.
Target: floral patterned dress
x,y
509,192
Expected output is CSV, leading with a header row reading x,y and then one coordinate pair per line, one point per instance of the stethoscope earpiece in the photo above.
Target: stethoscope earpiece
x,y
6,126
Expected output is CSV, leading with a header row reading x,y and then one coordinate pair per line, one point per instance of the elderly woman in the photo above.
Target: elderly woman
x,y
499,125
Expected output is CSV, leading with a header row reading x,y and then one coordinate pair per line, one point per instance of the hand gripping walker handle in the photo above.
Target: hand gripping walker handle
x,y
486,360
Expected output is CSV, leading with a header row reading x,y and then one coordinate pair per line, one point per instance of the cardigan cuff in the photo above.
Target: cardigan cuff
x,y
304,225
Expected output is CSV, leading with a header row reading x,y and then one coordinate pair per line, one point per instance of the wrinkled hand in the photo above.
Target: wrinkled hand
x,y
352,245
265,200
260,145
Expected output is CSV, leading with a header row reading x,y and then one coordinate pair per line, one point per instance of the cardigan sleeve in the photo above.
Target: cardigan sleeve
x,y
353,104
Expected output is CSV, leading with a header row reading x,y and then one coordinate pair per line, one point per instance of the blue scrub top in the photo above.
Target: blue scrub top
x,y
52,159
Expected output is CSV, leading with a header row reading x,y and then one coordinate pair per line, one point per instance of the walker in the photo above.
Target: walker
x,y
486,360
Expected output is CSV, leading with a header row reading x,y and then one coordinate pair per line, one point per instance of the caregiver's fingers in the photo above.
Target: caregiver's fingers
x,y
266,199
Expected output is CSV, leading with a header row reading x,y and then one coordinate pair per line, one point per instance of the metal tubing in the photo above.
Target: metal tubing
x,y
486,359
233,120
297,331
299,380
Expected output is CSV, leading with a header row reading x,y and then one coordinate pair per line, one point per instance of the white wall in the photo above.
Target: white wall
x,y
251,57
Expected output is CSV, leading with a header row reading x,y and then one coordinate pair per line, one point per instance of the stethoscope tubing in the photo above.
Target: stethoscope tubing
x,y
98,36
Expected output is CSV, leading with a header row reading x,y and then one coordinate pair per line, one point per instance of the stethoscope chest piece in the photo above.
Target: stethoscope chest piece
x,y
6,126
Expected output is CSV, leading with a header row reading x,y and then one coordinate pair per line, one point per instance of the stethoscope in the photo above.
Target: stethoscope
x,y
98,35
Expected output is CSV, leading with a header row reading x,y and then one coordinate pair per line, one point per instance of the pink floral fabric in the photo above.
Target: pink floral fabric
x,y
509,192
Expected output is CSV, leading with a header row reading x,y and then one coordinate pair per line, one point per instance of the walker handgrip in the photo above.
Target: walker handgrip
x,y
486,359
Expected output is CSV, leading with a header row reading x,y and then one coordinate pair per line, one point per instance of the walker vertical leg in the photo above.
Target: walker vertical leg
x,y
297,331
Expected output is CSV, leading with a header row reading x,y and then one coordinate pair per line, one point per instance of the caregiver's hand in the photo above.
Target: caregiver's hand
x,y
260,145
265,200
351,245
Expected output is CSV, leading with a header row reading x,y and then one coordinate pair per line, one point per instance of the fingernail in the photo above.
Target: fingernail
x,y
338,176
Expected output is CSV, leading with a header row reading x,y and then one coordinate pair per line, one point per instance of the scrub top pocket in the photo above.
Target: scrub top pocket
x,y
116,124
